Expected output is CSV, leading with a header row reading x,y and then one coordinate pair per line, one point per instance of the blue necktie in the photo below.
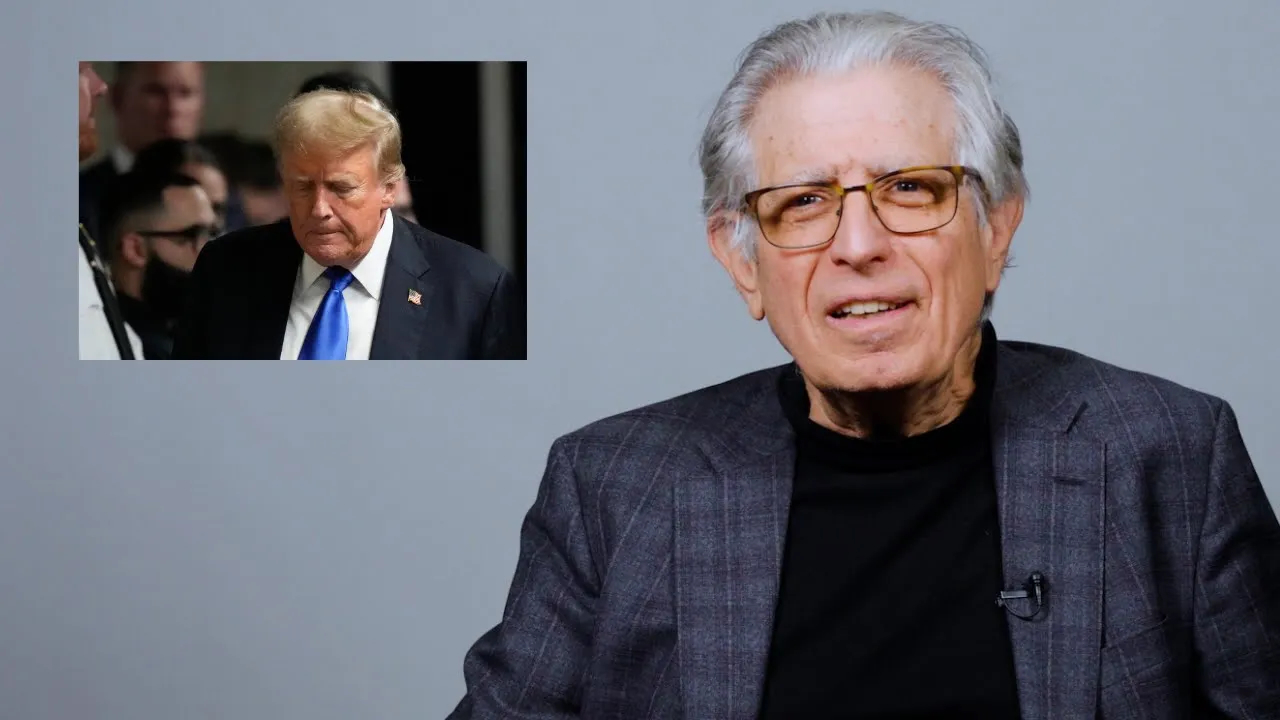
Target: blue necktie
x,y
327,336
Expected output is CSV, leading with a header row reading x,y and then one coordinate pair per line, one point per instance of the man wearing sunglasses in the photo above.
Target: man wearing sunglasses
x,y
913,518
158,224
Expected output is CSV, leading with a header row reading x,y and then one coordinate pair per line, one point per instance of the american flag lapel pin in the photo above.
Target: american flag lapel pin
x,y
415,297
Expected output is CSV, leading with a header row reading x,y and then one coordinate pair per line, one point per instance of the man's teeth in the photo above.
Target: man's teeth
x,y
865,308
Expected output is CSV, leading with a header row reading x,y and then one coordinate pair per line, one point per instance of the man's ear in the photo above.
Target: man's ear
x,y
720,232
388,199
1002,223
133,250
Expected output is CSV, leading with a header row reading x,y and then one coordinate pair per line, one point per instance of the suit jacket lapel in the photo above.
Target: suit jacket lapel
x,y
272,288
731,505
1050,484
398,333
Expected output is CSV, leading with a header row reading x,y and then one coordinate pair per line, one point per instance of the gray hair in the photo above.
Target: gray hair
x,y
986,138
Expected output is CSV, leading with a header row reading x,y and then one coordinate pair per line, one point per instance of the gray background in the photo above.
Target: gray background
x,y
325,541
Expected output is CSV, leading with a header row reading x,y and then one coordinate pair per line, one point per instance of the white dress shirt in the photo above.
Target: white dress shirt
x,y
361,298
96,340
122,159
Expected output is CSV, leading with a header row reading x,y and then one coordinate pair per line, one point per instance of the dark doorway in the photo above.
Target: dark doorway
x,y
438,104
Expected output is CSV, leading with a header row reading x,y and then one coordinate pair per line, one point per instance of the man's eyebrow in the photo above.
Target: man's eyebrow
x,y
812,175
882,169
831,173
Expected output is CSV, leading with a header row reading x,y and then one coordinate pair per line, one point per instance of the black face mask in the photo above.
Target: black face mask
x,y
164,290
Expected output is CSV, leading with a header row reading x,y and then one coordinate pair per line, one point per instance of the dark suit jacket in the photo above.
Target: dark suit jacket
x,y
242,287
95,180
649,564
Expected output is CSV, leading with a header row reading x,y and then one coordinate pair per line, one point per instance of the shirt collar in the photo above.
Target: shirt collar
x,y
371,269
122,158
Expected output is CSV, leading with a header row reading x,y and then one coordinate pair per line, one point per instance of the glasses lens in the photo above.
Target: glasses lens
x,y
916,201
793,217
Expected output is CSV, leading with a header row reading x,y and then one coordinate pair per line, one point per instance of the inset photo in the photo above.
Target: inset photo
x,y
302,210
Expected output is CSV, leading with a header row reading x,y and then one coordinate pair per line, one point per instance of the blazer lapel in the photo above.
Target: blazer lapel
x,y
405,301
1050,484
273,288
731,506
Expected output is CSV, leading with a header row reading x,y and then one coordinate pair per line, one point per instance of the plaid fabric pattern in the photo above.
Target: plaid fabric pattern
x,y
649,563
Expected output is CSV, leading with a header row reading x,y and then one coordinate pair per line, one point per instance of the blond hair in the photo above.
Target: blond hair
x,y
335,122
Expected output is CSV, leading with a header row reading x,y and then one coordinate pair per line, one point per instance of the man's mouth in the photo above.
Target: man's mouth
x,y
865,309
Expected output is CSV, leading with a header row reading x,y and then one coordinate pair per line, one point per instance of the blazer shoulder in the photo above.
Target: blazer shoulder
x,y
1119,394
455,257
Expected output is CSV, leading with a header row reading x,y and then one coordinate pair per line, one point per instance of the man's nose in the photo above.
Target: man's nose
x,y
861,238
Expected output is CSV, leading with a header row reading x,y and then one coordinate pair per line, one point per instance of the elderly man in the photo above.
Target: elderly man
x,y
342,277
913,519
104,334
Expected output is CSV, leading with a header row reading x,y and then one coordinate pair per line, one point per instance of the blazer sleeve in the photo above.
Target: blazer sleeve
x,y
530,666
505,321
1237,585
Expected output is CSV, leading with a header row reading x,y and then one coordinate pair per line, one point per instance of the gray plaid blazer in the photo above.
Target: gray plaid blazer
x,y
649,564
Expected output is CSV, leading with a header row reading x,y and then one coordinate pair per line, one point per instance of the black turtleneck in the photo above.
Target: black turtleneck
x,y
891,572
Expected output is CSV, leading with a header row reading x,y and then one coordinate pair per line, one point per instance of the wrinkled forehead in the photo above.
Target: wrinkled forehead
x,y
313,161
851,126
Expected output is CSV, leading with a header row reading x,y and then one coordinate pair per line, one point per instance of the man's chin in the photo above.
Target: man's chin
x,y
873,373
328,248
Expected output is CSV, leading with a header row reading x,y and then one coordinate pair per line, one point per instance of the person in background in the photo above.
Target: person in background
x,y
190,158
103,332
228,148
262,197
150,101
158,222
350,81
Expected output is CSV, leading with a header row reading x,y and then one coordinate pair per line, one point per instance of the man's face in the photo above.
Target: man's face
x,y
158,100
91,88
853,128
214,185
185,227
335,203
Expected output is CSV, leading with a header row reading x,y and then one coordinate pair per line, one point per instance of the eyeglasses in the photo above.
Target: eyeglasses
x,y
909,201
192,234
